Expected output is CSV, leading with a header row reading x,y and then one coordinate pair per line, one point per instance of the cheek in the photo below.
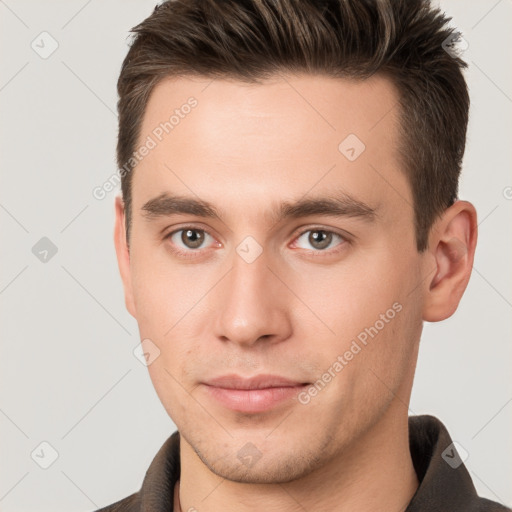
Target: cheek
x,y
352,296
373,317
166,382
163,292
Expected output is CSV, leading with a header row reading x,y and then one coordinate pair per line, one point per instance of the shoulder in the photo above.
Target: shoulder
x,y
485,505
129,504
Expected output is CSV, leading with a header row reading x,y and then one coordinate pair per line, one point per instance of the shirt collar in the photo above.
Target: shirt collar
x,y
444,482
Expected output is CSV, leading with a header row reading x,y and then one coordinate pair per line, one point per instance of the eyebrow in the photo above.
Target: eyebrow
x,y
339,205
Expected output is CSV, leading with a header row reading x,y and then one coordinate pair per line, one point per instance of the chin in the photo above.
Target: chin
x,y
268,461
269,469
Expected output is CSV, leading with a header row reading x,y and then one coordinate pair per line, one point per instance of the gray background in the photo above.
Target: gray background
x,y
68,374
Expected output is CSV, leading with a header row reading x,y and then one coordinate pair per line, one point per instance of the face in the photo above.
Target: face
x,y
302,266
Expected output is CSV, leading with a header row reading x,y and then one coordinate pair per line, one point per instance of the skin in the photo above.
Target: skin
x,y
296,307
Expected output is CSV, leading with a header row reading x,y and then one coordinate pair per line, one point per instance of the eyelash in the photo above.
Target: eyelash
x,y
194,253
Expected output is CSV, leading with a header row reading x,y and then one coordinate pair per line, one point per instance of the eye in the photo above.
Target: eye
x,y
187,239
320,239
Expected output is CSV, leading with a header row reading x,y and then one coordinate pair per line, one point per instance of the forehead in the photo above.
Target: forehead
x,y
288,136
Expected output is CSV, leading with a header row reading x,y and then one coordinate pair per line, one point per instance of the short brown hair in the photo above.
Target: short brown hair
x,y
252,40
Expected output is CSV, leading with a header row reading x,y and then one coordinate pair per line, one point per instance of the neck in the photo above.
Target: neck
x,y
376,473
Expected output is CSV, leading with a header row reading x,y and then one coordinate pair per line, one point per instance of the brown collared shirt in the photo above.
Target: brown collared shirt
x,y
444,482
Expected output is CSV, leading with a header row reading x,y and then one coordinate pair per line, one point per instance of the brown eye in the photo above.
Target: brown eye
x,y
186,239
319,239
192,238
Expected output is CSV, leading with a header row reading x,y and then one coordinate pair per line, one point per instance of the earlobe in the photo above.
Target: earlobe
x,y
452,245
123,254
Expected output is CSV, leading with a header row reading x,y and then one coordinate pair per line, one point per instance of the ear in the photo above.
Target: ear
x,y
452,244
123,255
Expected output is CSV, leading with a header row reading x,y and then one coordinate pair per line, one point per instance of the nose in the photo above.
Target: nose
x,y
253,303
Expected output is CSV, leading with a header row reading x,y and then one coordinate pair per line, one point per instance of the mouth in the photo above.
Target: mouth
x,y
253,395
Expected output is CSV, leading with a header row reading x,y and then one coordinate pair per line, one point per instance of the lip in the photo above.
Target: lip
x,y
252,395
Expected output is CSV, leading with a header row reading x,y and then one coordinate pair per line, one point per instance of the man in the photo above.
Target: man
x,y
289,218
